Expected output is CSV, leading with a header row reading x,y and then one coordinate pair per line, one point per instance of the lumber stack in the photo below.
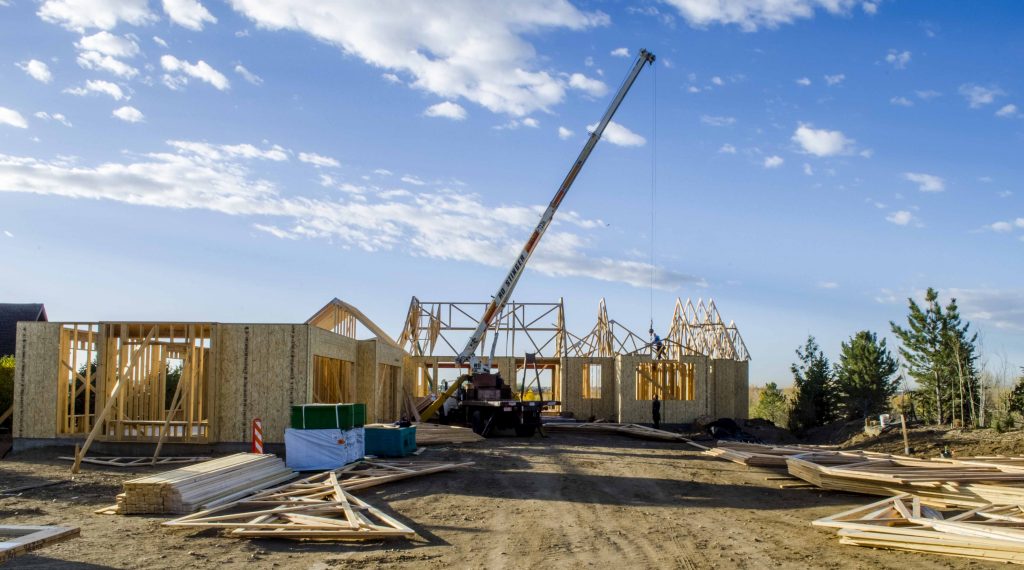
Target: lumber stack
x,y
436,434
967,482
629,430
755,455
202,485
301,511
903,522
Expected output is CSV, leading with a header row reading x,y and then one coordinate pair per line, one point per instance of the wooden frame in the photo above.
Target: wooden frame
x,y
333,380
76,392
16,540
669,379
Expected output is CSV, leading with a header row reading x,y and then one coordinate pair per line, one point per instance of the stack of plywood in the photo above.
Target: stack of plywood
x,y
436,434
903,523
756,455
630,430
967,482
202,485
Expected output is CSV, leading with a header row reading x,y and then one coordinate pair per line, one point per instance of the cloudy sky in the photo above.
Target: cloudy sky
x,y
809,164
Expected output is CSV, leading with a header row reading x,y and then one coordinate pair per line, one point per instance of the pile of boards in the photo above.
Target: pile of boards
x,y
755,455
903,523
202,485
318,507
629,430
436,434
963,482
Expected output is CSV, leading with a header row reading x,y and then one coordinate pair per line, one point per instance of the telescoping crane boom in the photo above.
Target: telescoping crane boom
x,y
509,284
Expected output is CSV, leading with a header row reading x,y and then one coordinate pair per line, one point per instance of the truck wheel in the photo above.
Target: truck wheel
x,y
477,422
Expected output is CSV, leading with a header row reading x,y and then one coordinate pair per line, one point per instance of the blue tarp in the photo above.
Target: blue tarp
x,y
323,449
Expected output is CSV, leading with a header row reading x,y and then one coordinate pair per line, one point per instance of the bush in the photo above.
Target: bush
x,y
6,382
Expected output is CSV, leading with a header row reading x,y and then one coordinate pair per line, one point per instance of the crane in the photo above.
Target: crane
x,y
489,392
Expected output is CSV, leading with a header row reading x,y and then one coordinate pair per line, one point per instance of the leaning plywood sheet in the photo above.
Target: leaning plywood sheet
x,y
318,510
905,523
18,539
436,434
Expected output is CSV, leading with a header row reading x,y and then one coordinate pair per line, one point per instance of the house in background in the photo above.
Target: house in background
x,y
10,315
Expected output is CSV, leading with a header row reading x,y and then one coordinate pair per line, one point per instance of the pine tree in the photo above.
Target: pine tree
x,y
865,376
772,405
815,402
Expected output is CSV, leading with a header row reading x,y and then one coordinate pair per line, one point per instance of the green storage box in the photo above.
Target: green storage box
x,y
385,441
358,415
324,416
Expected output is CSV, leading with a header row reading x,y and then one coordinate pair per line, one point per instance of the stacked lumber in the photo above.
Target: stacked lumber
x,y
629,430
903,523
967,482
312,508
436,434
203,485
756,455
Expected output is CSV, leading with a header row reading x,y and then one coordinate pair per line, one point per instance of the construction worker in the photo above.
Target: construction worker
x,y
656,412
659,348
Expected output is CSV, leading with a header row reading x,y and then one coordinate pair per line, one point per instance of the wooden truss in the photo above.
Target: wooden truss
x,y
340,317
19,539
441,327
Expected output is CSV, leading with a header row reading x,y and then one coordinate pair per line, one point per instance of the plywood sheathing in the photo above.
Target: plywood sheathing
x,y
572,388
37,358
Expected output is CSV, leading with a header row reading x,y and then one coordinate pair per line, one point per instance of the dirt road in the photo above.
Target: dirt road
x,y
570,501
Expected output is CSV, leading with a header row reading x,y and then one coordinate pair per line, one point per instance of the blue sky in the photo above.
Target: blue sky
x,y
817,161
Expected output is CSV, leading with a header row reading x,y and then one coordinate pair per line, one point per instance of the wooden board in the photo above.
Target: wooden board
x,y
19,539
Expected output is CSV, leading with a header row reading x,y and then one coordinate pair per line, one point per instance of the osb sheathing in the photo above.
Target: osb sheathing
x,y
632,410
35,379
572,388
378,387
262,372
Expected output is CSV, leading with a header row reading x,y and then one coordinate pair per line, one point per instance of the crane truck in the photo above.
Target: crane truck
x,y
488,404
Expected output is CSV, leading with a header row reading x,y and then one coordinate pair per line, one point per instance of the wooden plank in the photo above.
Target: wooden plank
x,y
18,539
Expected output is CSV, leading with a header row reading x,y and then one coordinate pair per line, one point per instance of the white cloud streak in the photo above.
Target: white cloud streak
x,y
12,118
822,142
37,70
98,86
318,160
751,15
129,114
80,15
188,14
248,75
199,70
978,95
619,135
926,182
447,110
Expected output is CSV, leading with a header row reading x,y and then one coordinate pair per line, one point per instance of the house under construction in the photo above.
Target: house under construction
x,y
204,382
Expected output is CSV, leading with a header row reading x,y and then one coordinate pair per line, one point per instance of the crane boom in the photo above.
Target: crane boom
x,y
500,298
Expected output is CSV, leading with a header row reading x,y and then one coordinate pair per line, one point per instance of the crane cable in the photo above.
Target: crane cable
x,y
654,185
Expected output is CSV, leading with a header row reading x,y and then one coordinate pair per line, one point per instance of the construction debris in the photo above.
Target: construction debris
x,y
203,485
630,430
16,540
905,523
965,482
756,455
301,511
436,434
138,461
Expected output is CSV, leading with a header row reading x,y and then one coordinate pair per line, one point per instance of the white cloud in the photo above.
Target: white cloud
x,y
59,117
451,49
870,8
836,79
318,160
109,44
248,75
750,15
98,61
392,78
927,94
564,133
441,224
619,135
717,121
808,170
129,114
200,70
1008,111
926,182
1005,193
188,13
898,59
901,101
383,172
900,218
531,122
822,142
592,87
717,81
1000,308
414,180
828,285
773,161
446,109
79,15
978,95
727,149
803,81
12,118
37,70
8,234
98,86
160,42
621,52
1001,227
1019,222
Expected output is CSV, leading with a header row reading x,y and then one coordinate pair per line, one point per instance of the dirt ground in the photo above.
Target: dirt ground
x,y
569,501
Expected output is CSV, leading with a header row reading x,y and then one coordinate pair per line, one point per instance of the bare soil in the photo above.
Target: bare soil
x,y
569,501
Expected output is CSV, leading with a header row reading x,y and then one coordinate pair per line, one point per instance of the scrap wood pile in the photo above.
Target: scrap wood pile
x,y
437,434
904,523
318,507
202,485
755,455
965,482
630,430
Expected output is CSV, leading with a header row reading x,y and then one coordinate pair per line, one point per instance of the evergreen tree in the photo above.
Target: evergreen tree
x,y
815,402
941,356
1015,400
865,376
772,405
